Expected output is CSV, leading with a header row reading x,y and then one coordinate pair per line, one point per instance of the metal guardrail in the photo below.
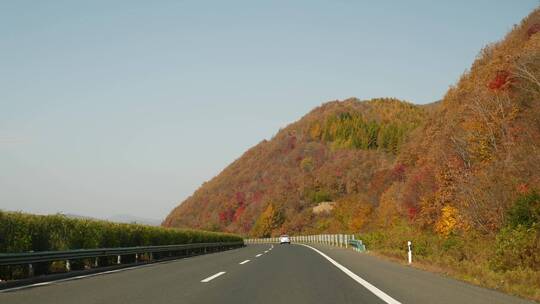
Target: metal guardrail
x,y
26,264
51,256
338,240
357,245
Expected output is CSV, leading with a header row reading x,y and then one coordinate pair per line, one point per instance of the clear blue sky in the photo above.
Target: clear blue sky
x,y
126,107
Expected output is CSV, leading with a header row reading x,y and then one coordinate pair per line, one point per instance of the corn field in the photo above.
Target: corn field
x,y
20,232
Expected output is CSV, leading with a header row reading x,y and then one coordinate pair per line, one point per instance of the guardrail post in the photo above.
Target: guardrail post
x,y
96,262
118,260
68,266
30,270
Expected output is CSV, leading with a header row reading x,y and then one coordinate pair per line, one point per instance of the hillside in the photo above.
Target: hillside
x,y
383,159
333,151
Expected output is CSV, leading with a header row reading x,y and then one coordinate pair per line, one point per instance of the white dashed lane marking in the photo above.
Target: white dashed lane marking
x,y
210,278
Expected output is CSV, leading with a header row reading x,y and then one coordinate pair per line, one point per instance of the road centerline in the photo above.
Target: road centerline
x,y
242,263
210,278
258,255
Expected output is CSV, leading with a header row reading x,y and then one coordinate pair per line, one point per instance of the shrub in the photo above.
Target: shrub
x,y
517,247
525,212
319,196
518,243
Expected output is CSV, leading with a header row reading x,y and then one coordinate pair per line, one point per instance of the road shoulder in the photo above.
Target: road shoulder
x,y
412,285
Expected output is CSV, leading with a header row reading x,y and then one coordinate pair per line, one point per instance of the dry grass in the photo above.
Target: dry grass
x,y
523,283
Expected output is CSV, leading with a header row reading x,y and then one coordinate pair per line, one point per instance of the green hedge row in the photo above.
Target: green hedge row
x,y
20,232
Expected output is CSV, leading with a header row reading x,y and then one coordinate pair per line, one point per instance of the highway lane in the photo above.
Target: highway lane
x,y
168,282
287,274
256,274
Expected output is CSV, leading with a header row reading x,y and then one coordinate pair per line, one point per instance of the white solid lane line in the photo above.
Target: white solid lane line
x,y
210,278
258,255
376,291
242,263
42,284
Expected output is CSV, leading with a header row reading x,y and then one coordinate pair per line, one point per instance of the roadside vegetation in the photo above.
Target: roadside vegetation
x,y
508,260
21,232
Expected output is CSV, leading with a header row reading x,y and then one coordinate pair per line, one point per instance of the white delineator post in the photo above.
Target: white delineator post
x,y
409,253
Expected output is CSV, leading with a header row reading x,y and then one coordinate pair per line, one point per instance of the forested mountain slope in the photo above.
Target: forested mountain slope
x,y
334,151
456,165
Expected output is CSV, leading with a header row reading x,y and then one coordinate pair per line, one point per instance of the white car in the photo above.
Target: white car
x,y
284,239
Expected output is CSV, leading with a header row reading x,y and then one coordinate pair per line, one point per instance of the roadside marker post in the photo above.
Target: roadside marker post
x,y
409,253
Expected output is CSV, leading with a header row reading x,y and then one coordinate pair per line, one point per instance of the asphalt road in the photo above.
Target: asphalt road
x,y
284,274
